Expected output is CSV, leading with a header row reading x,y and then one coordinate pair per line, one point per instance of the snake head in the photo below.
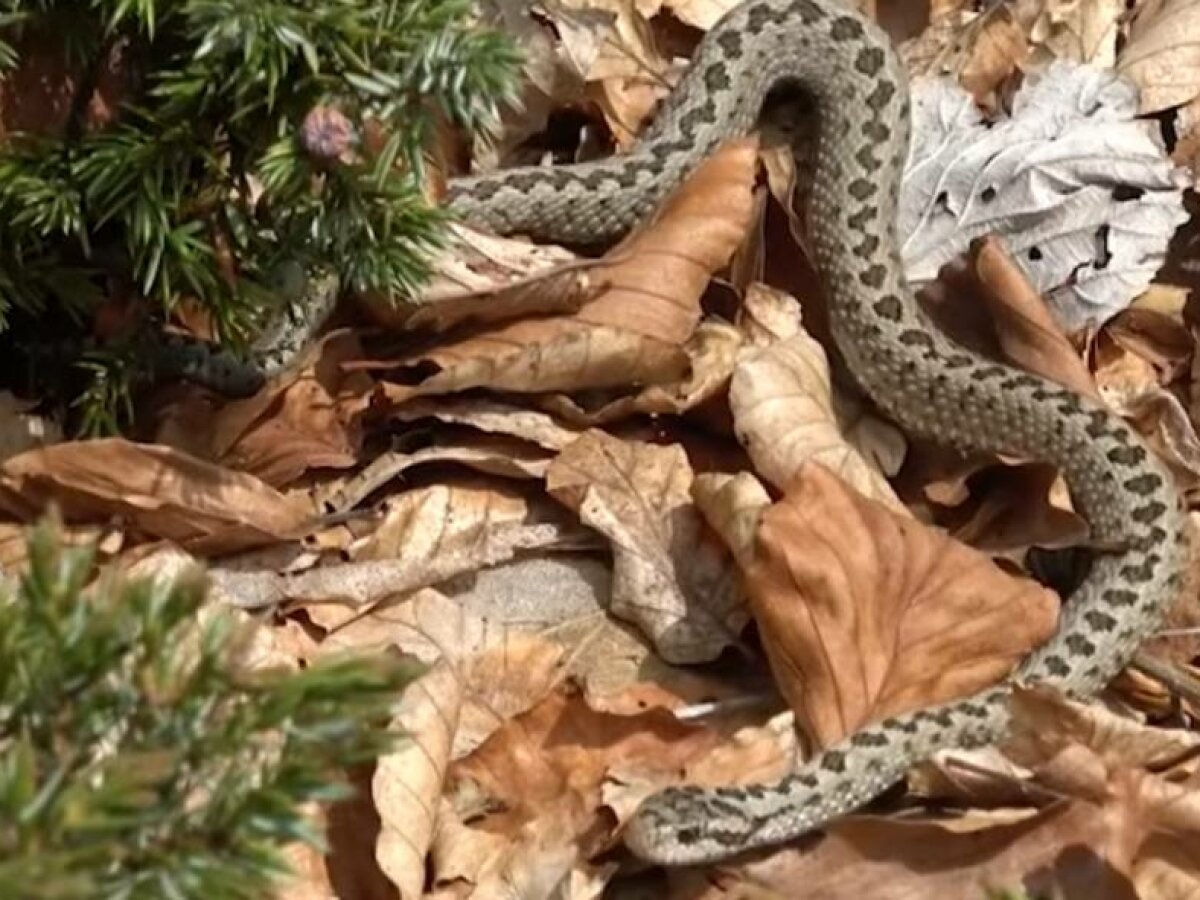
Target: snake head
x,y
690,825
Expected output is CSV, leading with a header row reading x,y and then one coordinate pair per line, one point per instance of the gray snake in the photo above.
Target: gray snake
x,y
931,386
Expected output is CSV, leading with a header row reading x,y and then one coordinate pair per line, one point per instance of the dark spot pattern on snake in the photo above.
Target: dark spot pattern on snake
x,y
940,390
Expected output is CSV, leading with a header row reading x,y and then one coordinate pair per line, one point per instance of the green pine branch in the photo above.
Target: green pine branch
x,y
137,760
209,168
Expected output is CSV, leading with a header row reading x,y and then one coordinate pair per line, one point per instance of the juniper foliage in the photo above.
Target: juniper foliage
x,y
138,760
200,187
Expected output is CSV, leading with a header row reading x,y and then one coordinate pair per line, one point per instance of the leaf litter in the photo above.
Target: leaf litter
x,y
566,485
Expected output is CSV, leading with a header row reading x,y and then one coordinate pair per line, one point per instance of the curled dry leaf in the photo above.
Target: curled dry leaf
x,y
427,536
158,491
1083,32
782,405
1162,55
407,783
308,418
733,505
925,619
712,351
483,278
669,577
659,273
556,757
1012,508
1045,722
1028,333
632,333
485,453
492,417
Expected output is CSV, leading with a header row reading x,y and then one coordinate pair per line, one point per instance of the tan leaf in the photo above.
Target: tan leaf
x,y
659,273
1162,54
504,665
1027,331
1082,32
669,578
782,405
306,419
702,14
492,417
1158,336
560,753
733,505
712,350
924,619
1069,850
556,354
1045,722
1007,509
998,48
158,491
427,536
493,455
483,278
408,781
631,334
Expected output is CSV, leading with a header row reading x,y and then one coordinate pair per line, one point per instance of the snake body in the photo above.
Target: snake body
x,y
931,386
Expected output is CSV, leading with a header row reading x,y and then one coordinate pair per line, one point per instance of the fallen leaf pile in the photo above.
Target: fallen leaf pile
x,y
633,517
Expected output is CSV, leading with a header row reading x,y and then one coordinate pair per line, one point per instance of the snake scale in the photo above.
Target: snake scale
x,y
931,386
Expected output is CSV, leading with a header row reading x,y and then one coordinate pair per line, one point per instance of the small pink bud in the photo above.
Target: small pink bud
x,y
327,135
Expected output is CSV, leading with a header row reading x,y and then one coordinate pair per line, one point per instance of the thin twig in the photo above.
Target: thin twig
x,y
1176,679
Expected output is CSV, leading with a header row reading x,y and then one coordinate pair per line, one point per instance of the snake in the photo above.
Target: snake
x,y
848,70
853,78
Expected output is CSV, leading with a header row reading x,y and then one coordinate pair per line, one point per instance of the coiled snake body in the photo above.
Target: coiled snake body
x,y
928,384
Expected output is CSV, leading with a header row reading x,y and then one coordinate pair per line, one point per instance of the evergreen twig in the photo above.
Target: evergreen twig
x,y
138,760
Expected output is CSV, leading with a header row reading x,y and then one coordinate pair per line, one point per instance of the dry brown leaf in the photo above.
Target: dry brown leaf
x,y
306,419
1007,509
407,782
157,491
712,350
492,417
632,333
782,404
998,48
427,536
483,278
556,354
1024,325
560,752
670,578
702,14
1162,54
1045,722
1160,337
733,505
866,614
1067,29
504,666
660,272
491,454
1064,851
